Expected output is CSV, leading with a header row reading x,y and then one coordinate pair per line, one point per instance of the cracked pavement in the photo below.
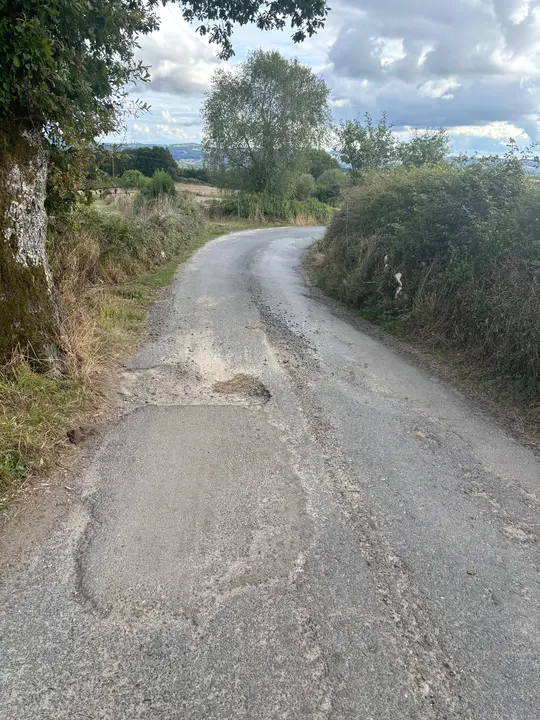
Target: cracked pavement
x,y
288,520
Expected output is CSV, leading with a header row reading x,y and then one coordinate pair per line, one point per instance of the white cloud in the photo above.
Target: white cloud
x,y
390,50
340,102
171,133
442,88
470,65
496,131
142,129
465,63
180,61
166,115
521,12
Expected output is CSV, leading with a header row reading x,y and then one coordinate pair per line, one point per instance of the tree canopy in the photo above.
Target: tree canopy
x,y
305,186
64,68
304,16
367,145
65,63
144,159
318,161
424,148
330,185
260,121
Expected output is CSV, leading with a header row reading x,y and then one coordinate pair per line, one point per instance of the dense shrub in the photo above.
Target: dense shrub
x,y
330,185
305,186
447,251
160,184
191,172
133,179
259,206
89,245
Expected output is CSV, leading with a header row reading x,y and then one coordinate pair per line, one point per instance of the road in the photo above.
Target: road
x,y
288,520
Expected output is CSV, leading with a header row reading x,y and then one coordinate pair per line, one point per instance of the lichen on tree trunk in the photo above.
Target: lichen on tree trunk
x,y
28,313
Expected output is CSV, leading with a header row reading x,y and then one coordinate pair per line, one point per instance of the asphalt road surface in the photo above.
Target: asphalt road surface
x,y
289,520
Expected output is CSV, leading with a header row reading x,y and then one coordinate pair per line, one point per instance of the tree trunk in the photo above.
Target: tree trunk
x,y
28,312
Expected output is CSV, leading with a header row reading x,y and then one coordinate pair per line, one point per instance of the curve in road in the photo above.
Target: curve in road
x,y
289,520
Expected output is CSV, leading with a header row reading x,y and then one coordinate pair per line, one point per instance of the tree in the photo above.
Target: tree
x,y
260,120
64,64
426,147
149,159
305,186
144,159
116,162
366,146
319,160
192,172
330,185
63,68
305,17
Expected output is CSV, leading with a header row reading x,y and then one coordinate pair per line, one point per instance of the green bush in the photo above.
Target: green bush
x,y
259,206
445,251
330,185
160,184
305,187
133,179
318,161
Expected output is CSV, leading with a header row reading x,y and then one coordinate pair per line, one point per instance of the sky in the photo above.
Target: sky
x,y
472,66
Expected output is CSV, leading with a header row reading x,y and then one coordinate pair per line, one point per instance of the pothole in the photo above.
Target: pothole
x,y
242,384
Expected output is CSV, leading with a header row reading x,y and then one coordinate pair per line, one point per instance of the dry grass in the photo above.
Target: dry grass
x,y
304,220
199,191
38,412
122,200
82,338
120,203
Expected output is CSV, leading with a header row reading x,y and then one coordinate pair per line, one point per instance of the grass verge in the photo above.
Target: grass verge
x,y
41,416
262,207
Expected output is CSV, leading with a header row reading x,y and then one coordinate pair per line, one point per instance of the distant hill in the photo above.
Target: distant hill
x,y
188,153
532,168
